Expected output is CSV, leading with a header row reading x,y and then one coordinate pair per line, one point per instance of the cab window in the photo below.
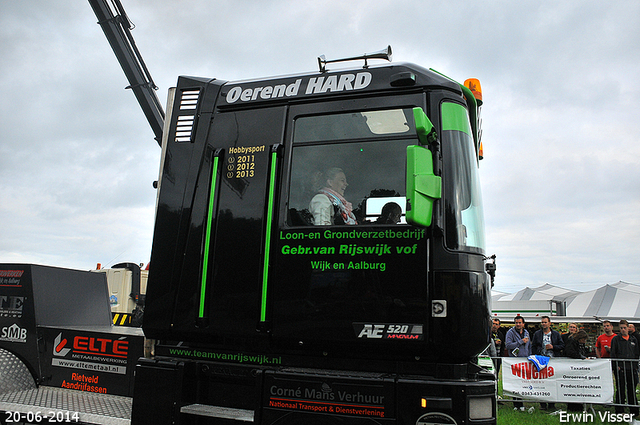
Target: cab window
x,y
464,223
349,169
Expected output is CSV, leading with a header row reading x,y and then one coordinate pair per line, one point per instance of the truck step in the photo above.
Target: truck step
x,y
218,412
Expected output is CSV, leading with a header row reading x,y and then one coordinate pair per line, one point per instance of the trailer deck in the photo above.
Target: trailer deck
x,y
19,395
68,405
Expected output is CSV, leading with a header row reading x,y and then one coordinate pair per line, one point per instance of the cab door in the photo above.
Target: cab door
x,y
337,287
221,279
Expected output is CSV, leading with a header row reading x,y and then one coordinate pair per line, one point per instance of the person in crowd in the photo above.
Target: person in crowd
x,y
576,348
491,352
498,337
633,331
625,346
603,343
329,206
547,342
518,344
573,328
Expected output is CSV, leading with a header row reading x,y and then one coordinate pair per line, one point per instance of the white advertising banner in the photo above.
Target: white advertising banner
x,y
563,380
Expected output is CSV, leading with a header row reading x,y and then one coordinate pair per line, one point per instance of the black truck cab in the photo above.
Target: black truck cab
x,y
282,298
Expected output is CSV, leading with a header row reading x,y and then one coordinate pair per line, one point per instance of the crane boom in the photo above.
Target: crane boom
x,y
117,28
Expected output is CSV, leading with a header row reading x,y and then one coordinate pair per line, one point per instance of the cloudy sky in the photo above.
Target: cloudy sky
x,y
561,174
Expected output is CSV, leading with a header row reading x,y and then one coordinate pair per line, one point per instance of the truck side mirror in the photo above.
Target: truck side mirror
x,y
424,127
423,187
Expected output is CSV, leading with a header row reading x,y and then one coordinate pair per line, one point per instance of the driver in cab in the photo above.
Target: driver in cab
x,y
329,206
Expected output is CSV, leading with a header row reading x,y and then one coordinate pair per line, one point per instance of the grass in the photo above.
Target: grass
x,y
507,416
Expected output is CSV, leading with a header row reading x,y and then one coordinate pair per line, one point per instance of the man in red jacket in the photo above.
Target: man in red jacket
x,y
603,343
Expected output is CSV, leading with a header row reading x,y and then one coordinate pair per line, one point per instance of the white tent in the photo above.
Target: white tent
x,y
613,302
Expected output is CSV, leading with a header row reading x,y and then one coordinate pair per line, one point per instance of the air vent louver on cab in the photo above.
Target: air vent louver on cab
x,y
186,123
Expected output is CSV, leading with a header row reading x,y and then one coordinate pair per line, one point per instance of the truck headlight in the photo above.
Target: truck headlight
x,y
480,408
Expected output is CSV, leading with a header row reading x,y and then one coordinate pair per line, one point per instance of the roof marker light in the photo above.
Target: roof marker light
x,y
473,84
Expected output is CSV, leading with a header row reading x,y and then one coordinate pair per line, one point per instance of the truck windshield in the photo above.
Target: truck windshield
x,y
464,217
349,168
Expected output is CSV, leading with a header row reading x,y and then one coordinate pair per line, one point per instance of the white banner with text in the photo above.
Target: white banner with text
x,y
563,380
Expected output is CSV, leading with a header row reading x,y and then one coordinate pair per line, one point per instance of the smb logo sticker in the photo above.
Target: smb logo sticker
x,y
13,333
